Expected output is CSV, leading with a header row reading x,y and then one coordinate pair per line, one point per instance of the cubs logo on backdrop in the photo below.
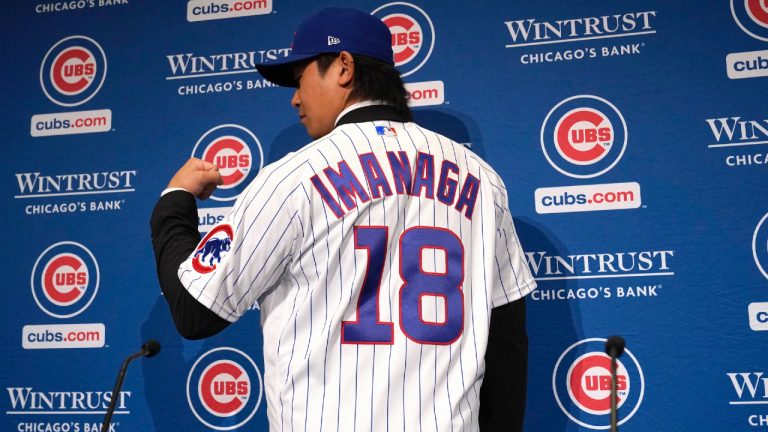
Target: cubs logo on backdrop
x,y
413,35
212,249
65,279
584,136
752,17
760,246
224,388
73,71
238,154
581,382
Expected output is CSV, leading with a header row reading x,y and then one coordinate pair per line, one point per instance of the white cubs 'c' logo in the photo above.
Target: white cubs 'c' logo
x,y
752,17
65,279
230,148
224,388
73,71
581,382
413,35
760,246
583,136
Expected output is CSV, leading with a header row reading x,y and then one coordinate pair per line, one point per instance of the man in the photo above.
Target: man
x,y
376,255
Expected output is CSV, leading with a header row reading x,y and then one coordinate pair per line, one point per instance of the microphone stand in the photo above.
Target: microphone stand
x,y
614,347
149,349
614,396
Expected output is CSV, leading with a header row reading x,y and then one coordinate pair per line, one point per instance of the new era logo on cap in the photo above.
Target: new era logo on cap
x,y
333,41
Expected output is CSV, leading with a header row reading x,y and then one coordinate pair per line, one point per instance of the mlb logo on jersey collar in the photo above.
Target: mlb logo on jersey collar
x,y
386,131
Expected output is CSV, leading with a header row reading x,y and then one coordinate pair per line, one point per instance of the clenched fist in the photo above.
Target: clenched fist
x,y
198,177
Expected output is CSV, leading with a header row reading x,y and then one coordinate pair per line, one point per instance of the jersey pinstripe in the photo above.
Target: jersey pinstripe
x,y
343,251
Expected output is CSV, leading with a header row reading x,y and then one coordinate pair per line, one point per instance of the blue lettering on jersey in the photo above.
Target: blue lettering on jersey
x,y
325,194
420,182
346,184
401,171
425,175
377,181
468,196
446,187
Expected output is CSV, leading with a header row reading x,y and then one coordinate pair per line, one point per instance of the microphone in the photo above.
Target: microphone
x,y
614,347
150,348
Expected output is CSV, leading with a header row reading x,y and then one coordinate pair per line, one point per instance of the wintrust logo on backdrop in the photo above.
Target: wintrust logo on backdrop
x,y
71,193
750,390
539,40
625,275
737,137
73,5
219,73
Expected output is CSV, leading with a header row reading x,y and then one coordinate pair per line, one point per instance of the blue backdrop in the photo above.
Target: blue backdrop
x,y
631,135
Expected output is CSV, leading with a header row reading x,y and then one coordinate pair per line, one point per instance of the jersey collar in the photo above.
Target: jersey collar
x,y
369,111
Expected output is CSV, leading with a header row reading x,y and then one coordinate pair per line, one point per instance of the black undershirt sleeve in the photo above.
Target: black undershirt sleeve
x,y
174,236
503,393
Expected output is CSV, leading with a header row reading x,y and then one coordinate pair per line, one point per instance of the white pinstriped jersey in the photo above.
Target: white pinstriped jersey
x,y
375,254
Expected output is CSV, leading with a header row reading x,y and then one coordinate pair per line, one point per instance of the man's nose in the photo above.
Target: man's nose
x,y
296,100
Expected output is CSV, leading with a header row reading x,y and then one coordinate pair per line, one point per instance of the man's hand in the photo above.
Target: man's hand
x,y
198,177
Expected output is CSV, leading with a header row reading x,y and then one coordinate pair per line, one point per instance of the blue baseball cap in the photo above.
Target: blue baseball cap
x,y
332,30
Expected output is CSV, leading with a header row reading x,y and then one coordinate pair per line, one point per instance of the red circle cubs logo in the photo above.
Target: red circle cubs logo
x,y
752,17
73,71
583,136
224,388
212,249
232,156
406,37
760,246
65,279
581,382
413,35
231,148
589,383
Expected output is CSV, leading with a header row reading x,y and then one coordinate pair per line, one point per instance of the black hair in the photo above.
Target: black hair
x,y
374,80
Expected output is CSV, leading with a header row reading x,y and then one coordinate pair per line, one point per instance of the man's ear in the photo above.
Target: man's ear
x,y
347,70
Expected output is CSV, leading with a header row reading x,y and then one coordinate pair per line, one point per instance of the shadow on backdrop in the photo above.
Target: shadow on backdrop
x,y
165,386
553,324
165,379
289,140
454,125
